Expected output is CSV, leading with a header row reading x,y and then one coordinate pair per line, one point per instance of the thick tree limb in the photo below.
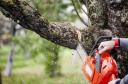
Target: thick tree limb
x,y
61,33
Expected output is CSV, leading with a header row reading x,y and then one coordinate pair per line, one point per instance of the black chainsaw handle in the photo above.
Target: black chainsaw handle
x,y
99,40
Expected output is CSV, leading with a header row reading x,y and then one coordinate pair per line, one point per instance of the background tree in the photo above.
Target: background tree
x,y
8,68
0,77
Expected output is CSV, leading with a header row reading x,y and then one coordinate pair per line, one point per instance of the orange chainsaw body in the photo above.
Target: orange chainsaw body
x,y
108,69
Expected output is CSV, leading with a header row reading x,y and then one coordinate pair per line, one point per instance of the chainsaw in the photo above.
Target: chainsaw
x,y
98,68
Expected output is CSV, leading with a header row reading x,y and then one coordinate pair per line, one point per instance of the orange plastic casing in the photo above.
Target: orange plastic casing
x,y
108,69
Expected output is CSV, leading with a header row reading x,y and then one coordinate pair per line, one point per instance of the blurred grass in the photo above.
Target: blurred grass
x,y
29,79
31,71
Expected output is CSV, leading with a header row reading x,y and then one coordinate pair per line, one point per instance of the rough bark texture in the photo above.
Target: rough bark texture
x,y
104,14
29,18
118,23
118,17
113,15
61,33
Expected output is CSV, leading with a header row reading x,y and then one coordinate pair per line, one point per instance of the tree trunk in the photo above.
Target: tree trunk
x,y
0,78
112,15
9,66
104,14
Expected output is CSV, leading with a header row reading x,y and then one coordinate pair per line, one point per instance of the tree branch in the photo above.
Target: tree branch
x,y
61,33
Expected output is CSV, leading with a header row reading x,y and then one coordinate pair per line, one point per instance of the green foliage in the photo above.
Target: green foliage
x,y
54,10
31,71
40,47
52,65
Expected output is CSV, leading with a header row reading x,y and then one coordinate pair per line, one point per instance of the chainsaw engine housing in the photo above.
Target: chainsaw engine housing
x,y
108,69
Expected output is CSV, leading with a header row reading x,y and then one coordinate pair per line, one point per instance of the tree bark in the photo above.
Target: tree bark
x,y
63,34
104,14
118,23
112,15
29,18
